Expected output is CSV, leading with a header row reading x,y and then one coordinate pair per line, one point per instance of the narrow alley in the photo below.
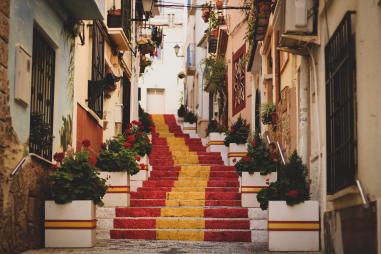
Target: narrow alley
x,y
197,126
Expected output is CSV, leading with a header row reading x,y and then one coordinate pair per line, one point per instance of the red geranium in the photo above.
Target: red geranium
x,y
246,159
254,143
55,166
293,193
104,146
127,145
93,160
142,166
137,157
86,143
59,157
131,139
139,134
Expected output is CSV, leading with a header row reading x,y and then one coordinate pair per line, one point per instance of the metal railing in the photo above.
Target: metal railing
x,y
23,160
279,148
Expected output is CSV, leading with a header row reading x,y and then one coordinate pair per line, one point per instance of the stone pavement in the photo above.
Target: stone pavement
x,y
163,247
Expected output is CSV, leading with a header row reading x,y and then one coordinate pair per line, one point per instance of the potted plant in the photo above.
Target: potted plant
x,y
205,8
267,113
74,190
292,217
215,139
137,140
181,113
236,139
147,122
117,163
219,4
213,24
114,18
257,170
146,46
189,125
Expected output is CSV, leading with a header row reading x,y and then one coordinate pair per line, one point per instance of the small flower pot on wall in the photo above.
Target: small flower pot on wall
x,y
216,144
118,189
251,184
236,152
190,128
70,225
294,228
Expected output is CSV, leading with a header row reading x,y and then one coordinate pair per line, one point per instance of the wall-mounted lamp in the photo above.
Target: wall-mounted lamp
x,y
177,49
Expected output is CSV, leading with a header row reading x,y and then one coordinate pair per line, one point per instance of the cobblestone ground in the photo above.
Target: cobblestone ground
x,y
164,247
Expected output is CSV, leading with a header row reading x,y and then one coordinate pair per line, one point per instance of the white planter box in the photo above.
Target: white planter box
x,y
251,184
294,228
190,128
216,142
142,175
70,225
236,152
118,189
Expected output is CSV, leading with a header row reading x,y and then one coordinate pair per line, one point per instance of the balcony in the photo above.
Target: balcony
x,y
84,9
119,25
190,60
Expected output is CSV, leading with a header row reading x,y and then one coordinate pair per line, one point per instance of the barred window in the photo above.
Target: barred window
x,y
340,106
239,81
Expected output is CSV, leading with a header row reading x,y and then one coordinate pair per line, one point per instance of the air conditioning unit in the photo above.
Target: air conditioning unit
x,y
299,17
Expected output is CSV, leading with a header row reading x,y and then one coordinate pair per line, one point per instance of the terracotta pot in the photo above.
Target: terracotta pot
x,y
219,4
214,33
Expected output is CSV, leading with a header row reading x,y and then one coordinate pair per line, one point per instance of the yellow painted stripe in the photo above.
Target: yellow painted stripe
x,y
70,224
182,212
237,154
178,203
186,195
210,143
180,235
293,226
163,223
251,189
118,189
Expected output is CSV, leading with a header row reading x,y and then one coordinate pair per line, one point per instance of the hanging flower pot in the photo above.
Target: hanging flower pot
x,y
114,18
214,33
219,4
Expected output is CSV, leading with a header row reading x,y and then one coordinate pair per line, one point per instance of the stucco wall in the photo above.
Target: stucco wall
x,y
24,15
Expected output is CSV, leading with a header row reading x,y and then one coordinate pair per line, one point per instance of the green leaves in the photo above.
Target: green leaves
x,y
76,179
238,133
291,186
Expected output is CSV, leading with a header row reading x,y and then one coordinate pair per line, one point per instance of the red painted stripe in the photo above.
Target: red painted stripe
x,y
133,234
227,224
228,236
135,223
137,212
225,213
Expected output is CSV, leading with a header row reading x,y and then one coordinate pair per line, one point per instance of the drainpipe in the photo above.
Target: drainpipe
x,y
303,126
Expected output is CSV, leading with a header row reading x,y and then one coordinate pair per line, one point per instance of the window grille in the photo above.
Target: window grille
x,y
42,96
340,107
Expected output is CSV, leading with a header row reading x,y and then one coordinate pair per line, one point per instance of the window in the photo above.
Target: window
x,y
42,96
95,91
126,17
340,102
239,86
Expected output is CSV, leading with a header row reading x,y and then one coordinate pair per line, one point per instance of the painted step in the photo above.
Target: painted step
x,y
187,195
182,212
181,203
180,223
206,189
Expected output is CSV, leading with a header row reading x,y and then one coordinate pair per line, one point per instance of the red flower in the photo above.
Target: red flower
x,y
58,157
254,143
246,159
131,139
86,143
104,146
55,166
93,160
127,145
137,157
142,166
234,160
139,134
293,193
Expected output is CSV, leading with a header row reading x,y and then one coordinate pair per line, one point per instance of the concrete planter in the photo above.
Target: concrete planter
x,y
294,228
216,144
118,189
251,184
236,152
70,225
190,128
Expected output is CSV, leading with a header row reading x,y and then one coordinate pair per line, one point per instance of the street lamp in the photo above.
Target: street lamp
x,y
177,49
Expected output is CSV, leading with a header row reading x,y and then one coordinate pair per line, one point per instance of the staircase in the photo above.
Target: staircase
x,y
190,195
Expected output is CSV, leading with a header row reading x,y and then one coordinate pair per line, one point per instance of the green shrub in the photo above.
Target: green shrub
x,y
181,111
238,133
190,117
214,126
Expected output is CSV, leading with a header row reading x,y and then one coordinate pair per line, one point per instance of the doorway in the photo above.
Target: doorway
x,y
156,100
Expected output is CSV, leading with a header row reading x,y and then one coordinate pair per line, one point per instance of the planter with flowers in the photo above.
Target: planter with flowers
x,y
137,140
235,140
74,190
147,123
268,114
257,170
293,220
117,163
215,139
189,125
181,111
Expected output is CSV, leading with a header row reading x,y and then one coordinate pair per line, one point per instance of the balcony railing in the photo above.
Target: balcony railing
x,y
190,60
